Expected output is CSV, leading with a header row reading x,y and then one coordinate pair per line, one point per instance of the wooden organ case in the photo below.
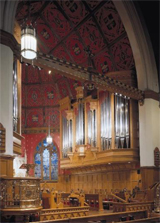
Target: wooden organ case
x,y
98,131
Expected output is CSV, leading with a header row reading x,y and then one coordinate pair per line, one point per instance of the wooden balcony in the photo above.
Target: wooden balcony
x,y
94,158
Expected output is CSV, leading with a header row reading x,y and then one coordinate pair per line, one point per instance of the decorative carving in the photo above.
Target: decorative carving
x,y
157,157
93,105
141,102
48,214
2,138
69,114
80,92
20,193
157,198
27,166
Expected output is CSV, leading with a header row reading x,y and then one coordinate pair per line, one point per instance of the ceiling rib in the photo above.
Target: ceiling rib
x,y
74,71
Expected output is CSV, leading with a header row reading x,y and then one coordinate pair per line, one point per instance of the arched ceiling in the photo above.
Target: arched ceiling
x,y
88,33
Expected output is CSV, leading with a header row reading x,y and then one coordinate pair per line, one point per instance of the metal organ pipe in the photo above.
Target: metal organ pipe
x,y
89,126
122,125
127,122
92,128
106,128
70,135
121,122
117,121
80,125
67,136
64,136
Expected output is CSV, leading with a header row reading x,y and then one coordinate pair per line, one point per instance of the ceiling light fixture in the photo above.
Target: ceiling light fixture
x,y
28,39
49,138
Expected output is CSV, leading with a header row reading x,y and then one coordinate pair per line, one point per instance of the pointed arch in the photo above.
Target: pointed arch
x,y
141,45
46,160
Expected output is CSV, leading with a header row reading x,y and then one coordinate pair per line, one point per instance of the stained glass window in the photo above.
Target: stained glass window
x,y
46,160
38,164
46,164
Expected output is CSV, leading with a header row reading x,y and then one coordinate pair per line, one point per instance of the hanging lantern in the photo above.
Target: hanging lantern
x,y
49,139
28,42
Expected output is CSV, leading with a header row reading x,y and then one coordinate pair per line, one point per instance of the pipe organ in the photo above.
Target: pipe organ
x,y
98,124
121,121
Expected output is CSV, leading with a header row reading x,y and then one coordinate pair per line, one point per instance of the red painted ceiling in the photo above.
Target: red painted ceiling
x,y
78,30
83,32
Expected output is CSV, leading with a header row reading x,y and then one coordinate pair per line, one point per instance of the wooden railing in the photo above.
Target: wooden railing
x,y
146,205
135,216
63,213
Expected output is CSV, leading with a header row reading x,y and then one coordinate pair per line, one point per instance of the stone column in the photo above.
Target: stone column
x,y
6,95
149,126
7,12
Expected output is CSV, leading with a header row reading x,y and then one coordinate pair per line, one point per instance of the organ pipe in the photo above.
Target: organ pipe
x,y
106,126
70,135
92,128
80,124
65,137
89,126
121,122
127,122
67,134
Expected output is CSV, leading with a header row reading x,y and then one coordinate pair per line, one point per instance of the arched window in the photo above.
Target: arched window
x,y
46,160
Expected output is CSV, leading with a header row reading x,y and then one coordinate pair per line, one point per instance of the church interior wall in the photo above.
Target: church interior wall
x,y
41,94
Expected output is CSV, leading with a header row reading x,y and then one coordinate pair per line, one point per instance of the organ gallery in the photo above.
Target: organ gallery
x,y
79,112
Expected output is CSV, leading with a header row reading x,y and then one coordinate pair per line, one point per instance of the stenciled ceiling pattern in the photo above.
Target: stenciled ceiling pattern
x,y
77,31
41,93
88,33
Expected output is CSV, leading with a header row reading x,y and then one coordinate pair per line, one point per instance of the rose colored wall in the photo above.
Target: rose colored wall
x,y
30,142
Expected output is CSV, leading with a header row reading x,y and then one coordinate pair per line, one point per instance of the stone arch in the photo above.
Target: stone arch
x,y
8,11
141,45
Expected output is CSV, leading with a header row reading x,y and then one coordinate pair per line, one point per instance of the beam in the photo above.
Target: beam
x,y
73,71
83,74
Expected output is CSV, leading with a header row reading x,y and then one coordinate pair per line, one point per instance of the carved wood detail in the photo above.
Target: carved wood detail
x,y
2,138
157,157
